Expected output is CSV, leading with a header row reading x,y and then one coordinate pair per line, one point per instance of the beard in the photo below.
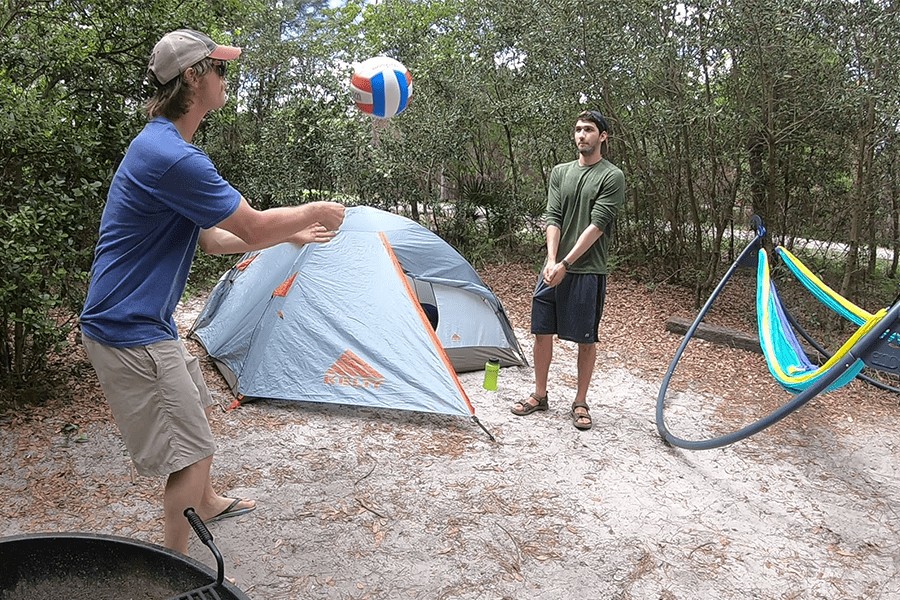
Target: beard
x,y
586,150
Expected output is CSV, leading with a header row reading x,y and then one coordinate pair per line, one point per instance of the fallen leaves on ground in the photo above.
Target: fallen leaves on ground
x,y
633,337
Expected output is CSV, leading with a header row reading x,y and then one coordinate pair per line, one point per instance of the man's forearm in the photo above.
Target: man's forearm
x,y
587,239
553,235
219,241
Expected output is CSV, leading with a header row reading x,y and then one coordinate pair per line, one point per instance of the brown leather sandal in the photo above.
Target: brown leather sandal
x,y
583,420
527,407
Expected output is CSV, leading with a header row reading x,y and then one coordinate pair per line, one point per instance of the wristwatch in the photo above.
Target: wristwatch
x,y
565,263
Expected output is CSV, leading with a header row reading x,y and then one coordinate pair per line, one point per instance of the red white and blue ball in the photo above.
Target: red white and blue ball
x,y
381,87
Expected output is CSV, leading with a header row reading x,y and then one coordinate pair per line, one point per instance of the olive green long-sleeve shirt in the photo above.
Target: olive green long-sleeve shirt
x,y
581,196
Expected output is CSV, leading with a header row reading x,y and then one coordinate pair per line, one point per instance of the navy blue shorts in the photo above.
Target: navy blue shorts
x,y
571,310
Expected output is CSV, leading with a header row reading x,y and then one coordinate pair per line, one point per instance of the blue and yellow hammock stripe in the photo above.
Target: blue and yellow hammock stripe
x,y
820,290
784,355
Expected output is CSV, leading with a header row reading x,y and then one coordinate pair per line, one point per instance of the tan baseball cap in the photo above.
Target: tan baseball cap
x,y
184,48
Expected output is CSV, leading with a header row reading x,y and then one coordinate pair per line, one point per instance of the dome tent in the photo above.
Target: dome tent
x,y
384,315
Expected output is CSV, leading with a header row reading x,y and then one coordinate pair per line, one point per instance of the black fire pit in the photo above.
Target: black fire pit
x,y
81,566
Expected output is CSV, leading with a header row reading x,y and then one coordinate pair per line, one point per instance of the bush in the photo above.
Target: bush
x,y
41,277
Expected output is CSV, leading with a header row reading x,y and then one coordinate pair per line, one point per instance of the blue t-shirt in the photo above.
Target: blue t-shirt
x,y
164,191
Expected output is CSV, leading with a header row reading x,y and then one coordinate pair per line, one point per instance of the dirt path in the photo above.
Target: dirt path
x,y
366,504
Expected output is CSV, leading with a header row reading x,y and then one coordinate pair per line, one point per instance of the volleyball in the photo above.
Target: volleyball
x,y
381,87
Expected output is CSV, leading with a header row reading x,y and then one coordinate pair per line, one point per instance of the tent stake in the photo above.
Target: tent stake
x,y
490,435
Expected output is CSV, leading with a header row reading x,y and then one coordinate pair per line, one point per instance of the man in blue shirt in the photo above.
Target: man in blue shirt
x,y
165,198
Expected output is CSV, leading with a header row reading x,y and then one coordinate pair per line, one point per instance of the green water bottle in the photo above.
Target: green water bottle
x,y
491,368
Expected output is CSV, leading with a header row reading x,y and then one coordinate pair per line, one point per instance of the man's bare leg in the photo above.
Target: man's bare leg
x,y
587,357
543,356
212,503
184,488
192,487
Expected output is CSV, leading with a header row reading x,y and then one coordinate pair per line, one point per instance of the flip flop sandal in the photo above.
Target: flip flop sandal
x,y
578,419
232,511
528,407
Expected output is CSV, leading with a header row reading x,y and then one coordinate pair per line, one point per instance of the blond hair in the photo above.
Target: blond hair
x,y
173,99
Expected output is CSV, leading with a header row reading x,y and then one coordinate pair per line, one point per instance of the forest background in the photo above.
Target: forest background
x,y
788,109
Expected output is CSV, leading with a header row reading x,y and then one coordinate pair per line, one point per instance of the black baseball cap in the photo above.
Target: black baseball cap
x,y
596,118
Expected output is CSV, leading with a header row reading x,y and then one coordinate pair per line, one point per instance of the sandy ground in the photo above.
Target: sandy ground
x,y
368,504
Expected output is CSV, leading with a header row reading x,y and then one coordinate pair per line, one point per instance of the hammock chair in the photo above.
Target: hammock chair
x,y
874,344
785,357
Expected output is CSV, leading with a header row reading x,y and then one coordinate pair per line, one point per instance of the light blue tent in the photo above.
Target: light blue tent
x,y
384,315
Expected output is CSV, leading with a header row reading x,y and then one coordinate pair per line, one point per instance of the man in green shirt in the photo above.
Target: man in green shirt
x,y
583,200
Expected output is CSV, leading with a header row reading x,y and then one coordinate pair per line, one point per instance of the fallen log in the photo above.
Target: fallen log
x,y
725,336
715,334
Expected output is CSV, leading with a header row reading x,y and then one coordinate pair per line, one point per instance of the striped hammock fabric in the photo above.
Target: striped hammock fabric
x,y
820,290
784,355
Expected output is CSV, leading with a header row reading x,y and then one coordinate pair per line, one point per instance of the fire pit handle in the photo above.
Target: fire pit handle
x,y
207,539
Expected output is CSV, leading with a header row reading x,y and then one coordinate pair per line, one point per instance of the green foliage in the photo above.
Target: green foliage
x,y
50,188
41,275
205,272
70,96
718,110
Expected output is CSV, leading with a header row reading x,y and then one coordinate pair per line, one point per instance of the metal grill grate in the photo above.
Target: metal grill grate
x,y
207,592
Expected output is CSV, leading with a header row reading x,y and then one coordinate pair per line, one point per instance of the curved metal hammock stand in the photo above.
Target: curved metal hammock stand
x,y
879,349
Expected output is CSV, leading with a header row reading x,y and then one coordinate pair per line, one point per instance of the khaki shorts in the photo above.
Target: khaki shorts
x,y
158,399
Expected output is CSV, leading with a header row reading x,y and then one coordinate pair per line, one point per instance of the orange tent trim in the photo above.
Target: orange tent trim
x,y
245,263
283,289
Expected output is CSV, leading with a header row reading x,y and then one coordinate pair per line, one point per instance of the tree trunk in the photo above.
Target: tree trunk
x,y
757,177
851,266
892,189
18,364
